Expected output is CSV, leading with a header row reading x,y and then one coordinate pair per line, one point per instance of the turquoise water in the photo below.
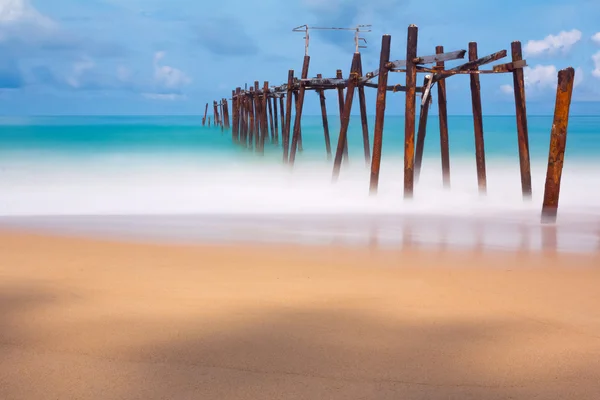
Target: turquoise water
x,y
171,176
72,136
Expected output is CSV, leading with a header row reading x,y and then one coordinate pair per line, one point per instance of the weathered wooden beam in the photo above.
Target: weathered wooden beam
x,y
288,116
380,113
511,66
471,65
393,88
345,122
409,114
321,94
422,131
558,143
443,118
363,115
226,113
453,55
215,113
297,138
221,116
478,123
263,116
521,113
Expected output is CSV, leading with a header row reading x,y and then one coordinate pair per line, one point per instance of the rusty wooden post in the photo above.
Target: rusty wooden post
x,y
352,83
339,75
238,120
321,94
226,114
275,121
297,138
271,119
422,131
478,122
363,115
410,111
282,114
233,116
221,115
288,116
443,118
264,118
251,124
243,119
521,112
205,112
216,113
257,116
380,113
558,142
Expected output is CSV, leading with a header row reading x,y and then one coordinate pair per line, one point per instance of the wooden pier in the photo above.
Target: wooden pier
x,y
255,119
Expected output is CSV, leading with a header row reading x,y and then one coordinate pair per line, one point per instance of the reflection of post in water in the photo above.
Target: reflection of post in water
x,y
407,234
549,238
525,245
479,230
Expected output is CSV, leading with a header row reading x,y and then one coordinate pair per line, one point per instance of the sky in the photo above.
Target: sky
x,y
138,57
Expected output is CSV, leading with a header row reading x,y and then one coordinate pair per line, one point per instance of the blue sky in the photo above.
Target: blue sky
x,y
173,56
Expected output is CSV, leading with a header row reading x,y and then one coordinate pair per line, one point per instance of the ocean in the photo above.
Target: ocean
x,y
169,178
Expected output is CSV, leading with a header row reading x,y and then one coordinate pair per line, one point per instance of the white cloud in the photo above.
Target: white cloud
x,y
508,89
18,11
552,44
79,68
168,77
596,38
596,60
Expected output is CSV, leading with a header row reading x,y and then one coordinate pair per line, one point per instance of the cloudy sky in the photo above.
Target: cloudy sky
x,y
172,56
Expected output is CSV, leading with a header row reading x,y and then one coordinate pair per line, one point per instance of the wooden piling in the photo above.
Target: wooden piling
x,y
209,122
558,142
345,122
288,116
243,120
321,94
339,75
384,59
478,122
443,118
221,115
422,130
226,114
216,113
282,114
521,113
409,115
251,124
363,115
257,117
264,116
297,138
271,119
233,117
275,120
205,112
238,114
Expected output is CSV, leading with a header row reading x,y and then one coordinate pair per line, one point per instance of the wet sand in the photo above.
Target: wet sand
x,y
98,319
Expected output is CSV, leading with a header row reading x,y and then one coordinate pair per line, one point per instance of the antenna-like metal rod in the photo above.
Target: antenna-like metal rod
x,y
357,29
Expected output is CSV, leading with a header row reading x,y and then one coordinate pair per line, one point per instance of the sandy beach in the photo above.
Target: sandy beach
x,y
99,319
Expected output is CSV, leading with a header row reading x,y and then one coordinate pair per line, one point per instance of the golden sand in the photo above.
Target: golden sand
x,y
91,319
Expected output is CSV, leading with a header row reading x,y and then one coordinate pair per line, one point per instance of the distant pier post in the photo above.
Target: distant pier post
x,y
422,131
443,118
363,115
296,139
288,116
339,75
271,120
410,111
343,138
321,94
251,124
205,112
384,59
478,122
521,112
558,143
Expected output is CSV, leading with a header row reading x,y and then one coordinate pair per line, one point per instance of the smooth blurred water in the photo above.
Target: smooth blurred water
x,y
161,166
